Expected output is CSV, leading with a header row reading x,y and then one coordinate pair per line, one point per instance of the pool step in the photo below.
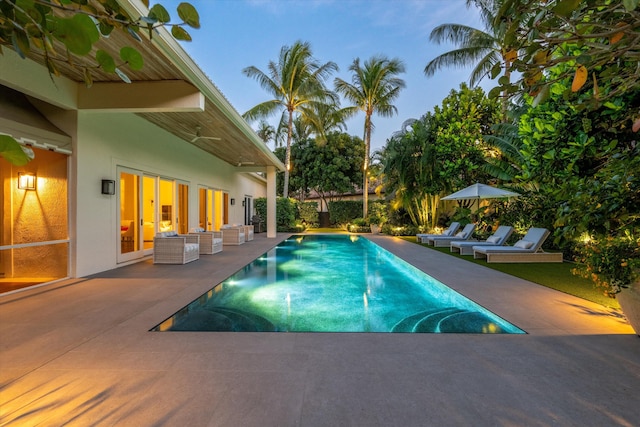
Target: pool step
x,y
447,320
409,323
220,319
469,322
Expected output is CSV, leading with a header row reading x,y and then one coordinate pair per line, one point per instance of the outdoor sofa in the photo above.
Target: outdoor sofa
x,y
232,234
210,241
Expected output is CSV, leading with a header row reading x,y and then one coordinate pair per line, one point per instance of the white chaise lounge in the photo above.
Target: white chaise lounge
x,y
498,238
528,249
450,231
445,241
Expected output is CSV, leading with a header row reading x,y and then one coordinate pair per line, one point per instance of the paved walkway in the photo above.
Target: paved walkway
x,y
78,353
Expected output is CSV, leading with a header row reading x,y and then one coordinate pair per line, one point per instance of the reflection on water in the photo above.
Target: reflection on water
x,y
333,283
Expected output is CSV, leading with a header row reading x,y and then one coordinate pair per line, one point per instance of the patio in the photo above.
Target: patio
x,y
79,353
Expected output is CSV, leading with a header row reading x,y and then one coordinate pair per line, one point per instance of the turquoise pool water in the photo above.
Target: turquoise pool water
x,y
333,283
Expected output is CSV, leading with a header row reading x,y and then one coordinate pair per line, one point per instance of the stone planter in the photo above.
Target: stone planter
x,y
375,229
629,300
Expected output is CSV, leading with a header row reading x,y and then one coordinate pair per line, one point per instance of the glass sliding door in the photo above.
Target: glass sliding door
x,y
167,206
130,246
149,211
182,211
205,208
137,194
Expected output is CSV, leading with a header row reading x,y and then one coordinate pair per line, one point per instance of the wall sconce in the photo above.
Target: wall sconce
x,y
233,201
108,187
26,181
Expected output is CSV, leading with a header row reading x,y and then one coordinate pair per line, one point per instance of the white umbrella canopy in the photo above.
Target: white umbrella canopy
x,y
480,191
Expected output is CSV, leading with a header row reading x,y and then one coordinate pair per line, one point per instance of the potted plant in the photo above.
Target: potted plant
x,y
613,263
377,216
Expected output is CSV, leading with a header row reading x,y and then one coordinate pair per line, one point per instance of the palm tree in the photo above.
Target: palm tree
x,y
295,81
373,89
266,132
488,50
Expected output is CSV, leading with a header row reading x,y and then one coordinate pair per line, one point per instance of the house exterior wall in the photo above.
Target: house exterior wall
x,y
101,142
107,141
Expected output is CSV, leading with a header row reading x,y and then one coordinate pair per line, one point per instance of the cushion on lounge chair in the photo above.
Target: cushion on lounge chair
x,y
461,235
493,239
523,244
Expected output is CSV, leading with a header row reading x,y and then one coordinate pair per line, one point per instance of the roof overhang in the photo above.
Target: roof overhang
x,y
170,91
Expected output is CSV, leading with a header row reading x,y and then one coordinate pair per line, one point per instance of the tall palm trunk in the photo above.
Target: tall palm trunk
x,y
365,178
287,157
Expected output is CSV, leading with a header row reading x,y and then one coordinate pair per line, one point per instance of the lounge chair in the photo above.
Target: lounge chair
x,y
445,241
210,241
528,249
450,231
170,247
498,238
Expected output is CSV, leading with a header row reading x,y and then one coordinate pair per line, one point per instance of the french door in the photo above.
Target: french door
x,y
212,211
148,204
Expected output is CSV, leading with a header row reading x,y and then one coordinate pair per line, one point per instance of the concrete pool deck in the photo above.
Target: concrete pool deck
x,y
78,353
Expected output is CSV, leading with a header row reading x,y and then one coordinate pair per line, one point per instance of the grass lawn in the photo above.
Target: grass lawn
x,y
552,275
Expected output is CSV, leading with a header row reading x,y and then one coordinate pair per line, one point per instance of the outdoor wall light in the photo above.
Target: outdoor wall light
x,y
108,187
26,181
233,201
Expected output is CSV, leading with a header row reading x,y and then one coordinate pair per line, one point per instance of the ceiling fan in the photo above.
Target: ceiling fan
x,y
198,135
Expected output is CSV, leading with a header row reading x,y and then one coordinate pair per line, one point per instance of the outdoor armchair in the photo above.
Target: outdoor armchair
x,y
248,233
232,235
210,241
170,247
445,241
498,238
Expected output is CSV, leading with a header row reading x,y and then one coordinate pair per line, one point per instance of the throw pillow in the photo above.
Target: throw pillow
x,y
523,244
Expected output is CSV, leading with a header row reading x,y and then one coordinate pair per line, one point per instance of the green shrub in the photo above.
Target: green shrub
x,y
344,211
285,213
378,212
308,213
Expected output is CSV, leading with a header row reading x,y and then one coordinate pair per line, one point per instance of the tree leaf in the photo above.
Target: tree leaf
x,y
636,125
495,70
106,61
20,43
78,33
189,15
160,13
88,78
180,34
630,5
122,76
565,7
579,78
132,57
13,152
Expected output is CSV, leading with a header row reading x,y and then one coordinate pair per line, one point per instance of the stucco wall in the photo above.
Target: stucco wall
x,y
108,140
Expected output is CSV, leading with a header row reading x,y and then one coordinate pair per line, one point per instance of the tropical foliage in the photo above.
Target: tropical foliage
x,y
373,88
488,51
329,169
296,82
442,152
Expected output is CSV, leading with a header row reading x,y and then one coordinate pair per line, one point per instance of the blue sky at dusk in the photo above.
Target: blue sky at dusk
x,y
239,33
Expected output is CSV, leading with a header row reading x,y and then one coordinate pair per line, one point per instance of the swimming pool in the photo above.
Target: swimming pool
x,y
333,283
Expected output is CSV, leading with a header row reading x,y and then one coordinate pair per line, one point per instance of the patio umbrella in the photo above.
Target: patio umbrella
x,y
480,191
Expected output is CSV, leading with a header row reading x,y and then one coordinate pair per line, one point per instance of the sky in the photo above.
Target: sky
x,y
235,34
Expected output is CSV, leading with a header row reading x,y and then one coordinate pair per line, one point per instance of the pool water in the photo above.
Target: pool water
x,y
333,283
